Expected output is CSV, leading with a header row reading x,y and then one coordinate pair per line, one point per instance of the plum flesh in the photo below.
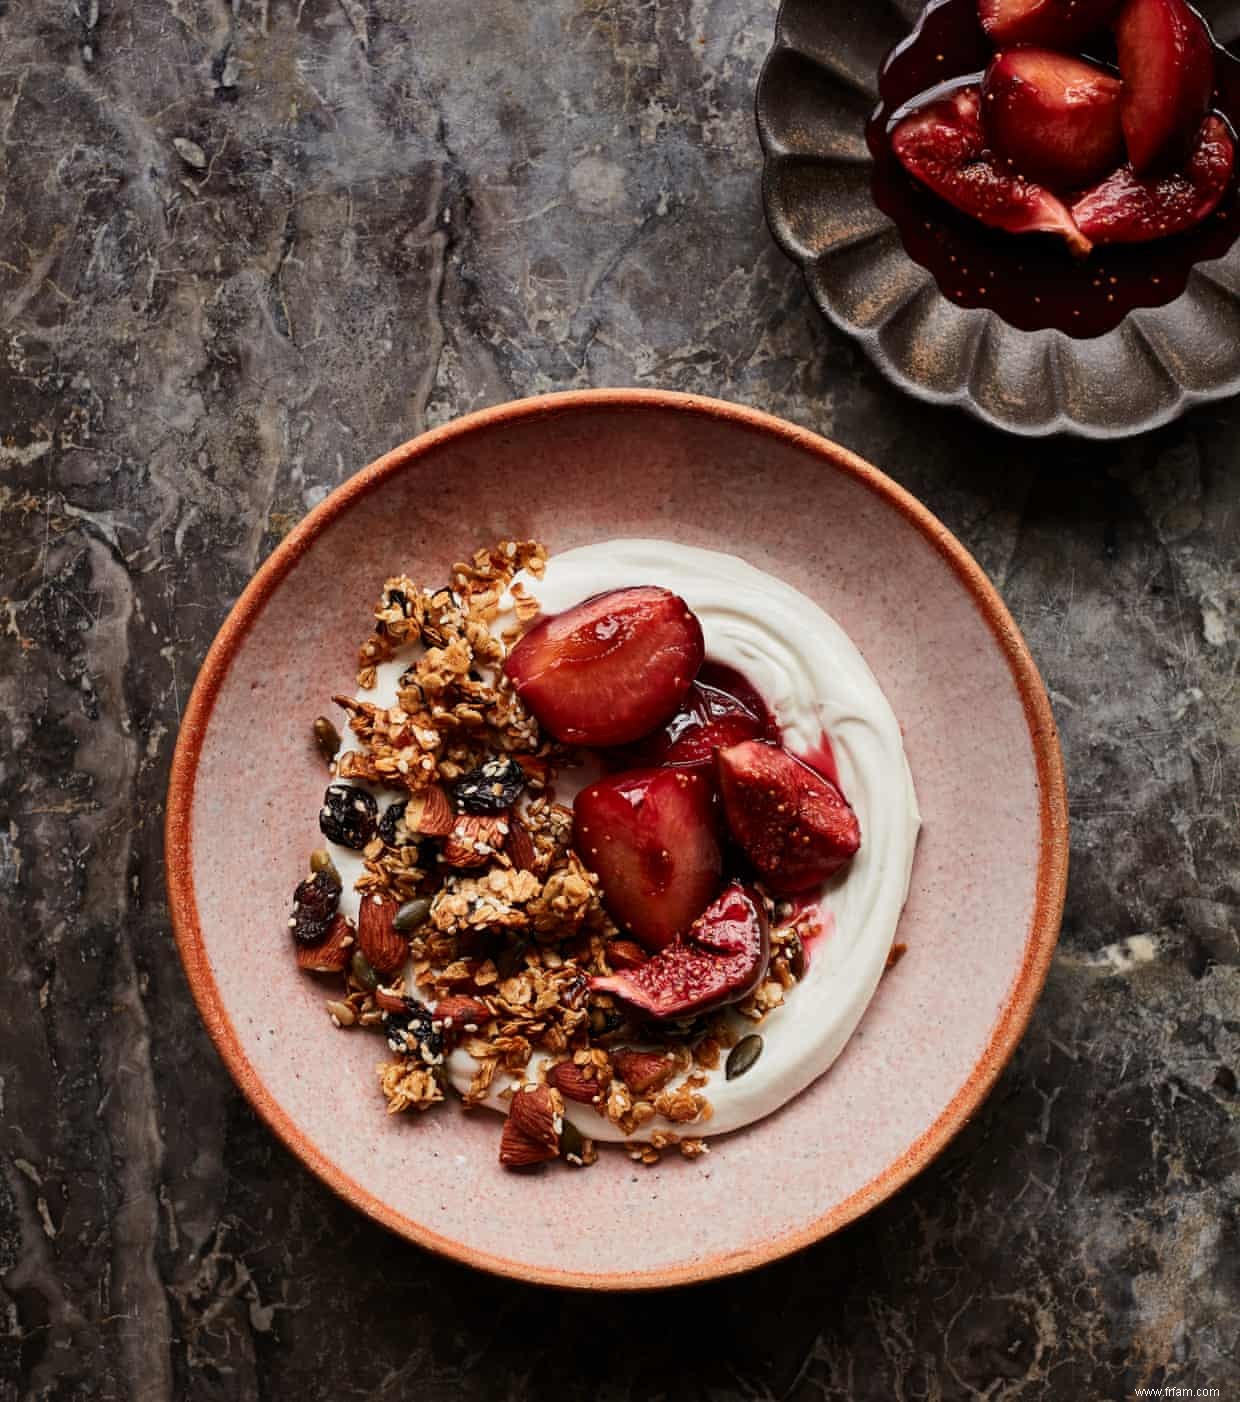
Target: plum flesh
x,y
1126,208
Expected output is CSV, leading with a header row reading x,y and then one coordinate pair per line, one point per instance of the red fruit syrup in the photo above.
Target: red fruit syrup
x,y
1032,281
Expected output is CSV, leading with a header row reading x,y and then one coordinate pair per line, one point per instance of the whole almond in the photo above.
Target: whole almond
x,y
625,954
642,1071
333,951
430,812
532,1130
389,1001
385,948
461,1015
538,1112
475,839
518,1150
520,847
573,1083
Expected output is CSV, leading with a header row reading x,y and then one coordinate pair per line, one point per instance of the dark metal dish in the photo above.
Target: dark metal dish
x,y
816,93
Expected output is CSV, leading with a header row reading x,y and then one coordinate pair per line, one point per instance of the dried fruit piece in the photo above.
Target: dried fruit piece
x,y
794,826
943,146
1059,24
743,1056
1055,119
574,1146
721,960
610,670
474,841
573,1082
650,834
393,828
491,788
327,738
348,816
1127,209
332,953
412,1032
314,907
532,1130
643,1071
384,947
1167,62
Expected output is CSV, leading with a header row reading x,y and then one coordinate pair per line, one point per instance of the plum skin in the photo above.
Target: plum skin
x,y
1054,119
611,669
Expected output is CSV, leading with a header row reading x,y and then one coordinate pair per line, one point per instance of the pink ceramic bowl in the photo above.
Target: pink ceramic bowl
x,y
987,889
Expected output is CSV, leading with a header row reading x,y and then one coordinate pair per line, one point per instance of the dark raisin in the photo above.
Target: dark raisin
x,y
413,1033
572,1141
491,788
392,826
348,816
607,1023
510,961
314,908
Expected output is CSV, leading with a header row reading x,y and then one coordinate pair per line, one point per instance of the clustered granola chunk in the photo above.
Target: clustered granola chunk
x,y
504,925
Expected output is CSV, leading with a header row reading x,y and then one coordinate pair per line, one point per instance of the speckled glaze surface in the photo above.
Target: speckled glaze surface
x,y
816,92
987,886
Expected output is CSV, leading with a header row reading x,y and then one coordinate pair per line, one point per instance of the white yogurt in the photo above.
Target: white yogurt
x,y
816,682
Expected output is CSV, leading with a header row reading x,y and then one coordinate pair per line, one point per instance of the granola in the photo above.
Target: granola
x,y
498,925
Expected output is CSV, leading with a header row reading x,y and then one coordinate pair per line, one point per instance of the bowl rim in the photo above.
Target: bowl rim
x,y
1052,860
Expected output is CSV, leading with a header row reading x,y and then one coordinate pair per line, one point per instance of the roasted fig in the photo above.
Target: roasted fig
x,y
1125,208
943,146
721,959
793,825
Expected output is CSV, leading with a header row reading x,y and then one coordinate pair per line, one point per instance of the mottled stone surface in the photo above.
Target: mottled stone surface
x,y
244,249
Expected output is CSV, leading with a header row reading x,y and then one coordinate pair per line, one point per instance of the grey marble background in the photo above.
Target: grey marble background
x,y
246,247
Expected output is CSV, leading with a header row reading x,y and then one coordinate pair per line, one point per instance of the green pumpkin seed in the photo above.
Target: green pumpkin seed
x,y
327,738
321,860
363,975
411,915
743,1055
794,951
572,1142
